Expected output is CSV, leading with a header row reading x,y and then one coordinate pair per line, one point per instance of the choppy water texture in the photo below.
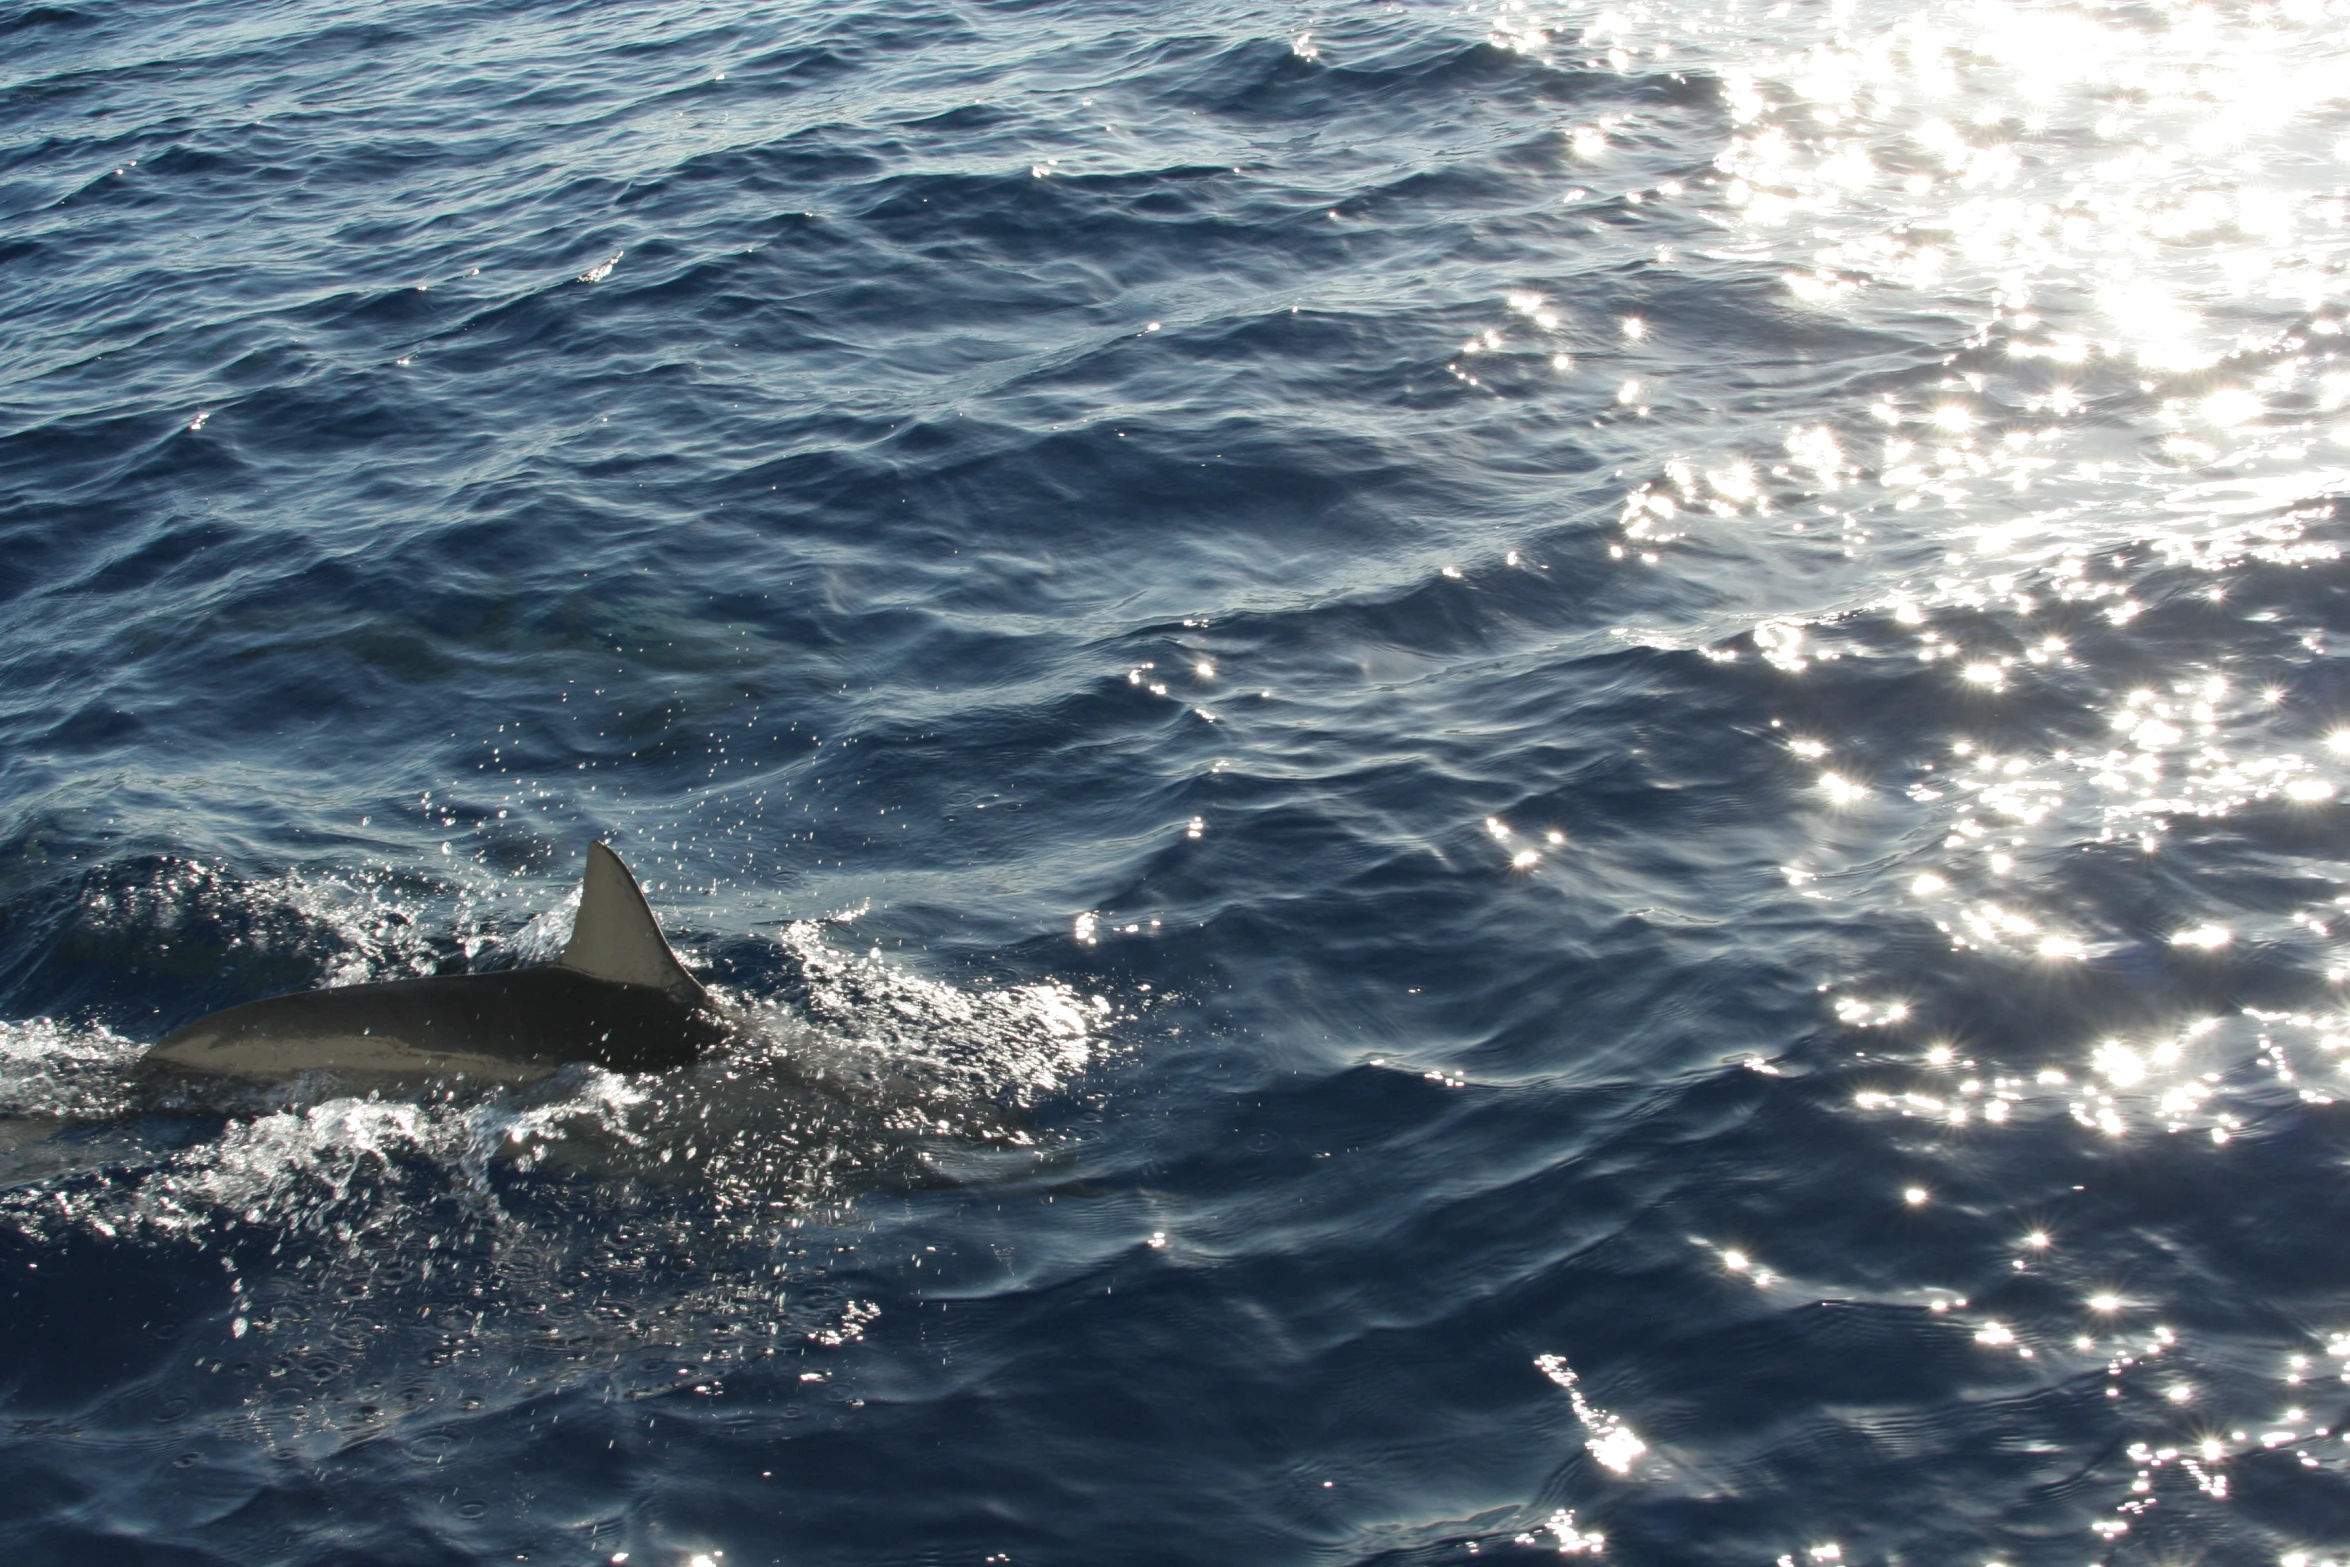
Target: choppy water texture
x,y
1496,782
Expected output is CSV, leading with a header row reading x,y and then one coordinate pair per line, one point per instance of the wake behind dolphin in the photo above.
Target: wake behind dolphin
x,y
617,998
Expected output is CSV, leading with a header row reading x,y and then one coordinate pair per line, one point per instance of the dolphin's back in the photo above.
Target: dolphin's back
x,y
511,1027
617,997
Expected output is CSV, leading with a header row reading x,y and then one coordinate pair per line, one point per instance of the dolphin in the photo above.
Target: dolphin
x,y
617,997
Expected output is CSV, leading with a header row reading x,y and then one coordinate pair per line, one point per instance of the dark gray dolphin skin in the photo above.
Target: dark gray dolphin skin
x,y
617,997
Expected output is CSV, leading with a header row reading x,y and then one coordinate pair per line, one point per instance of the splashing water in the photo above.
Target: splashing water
x,y
535,1239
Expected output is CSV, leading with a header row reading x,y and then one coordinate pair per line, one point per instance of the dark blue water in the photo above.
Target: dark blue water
x,y
1541,780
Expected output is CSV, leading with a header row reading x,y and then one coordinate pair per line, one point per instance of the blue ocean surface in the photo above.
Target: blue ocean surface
x,y
1494,782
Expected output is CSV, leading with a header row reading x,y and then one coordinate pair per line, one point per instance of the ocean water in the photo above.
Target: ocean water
x,y
1495,782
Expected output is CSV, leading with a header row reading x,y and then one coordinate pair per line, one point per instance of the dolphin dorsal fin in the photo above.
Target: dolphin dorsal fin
x,y
615,937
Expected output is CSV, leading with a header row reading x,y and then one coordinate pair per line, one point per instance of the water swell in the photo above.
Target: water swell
x,y
1551,780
